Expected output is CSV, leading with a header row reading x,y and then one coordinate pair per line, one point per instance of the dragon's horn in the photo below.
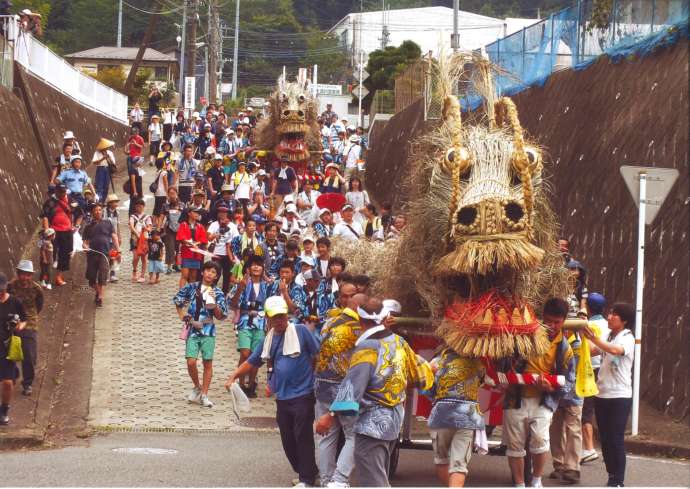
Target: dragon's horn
x,y
507,116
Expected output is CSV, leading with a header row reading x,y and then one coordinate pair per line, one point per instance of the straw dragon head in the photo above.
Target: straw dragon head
x,y
494,175
294,111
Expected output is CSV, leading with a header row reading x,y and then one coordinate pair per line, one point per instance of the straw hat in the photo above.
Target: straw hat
x,y
112,198
104,144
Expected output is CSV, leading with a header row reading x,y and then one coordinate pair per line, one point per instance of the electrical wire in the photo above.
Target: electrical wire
x,y
165,12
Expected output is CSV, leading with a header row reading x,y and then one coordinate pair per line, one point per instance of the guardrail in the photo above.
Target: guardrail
x,y
43,63
578,35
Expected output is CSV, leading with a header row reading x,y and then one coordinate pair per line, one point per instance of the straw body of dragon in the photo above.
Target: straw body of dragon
x,y
479,251
291,129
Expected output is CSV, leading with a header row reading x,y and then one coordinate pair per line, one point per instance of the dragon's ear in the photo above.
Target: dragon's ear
x,y
281,84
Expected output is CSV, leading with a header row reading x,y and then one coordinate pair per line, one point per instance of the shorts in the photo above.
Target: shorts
x,y
154,148
453,447
97,269
588,404
204,344
250,339
8,369
191,263
533,417
156,266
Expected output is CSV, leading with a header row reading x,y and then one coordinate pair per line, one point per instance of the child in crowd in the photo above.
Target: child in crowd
x,y
45,244
155,256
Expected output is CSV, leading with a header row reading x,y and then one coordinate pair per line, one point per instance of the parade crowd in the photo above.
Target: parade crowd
x,y
251,244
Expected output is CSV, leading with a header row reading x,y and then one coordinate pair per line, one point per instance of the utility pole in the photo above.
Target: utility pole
x,y
455,41
119,26
191,38
360,121
385,33
214,36
153,20
183,46
235,56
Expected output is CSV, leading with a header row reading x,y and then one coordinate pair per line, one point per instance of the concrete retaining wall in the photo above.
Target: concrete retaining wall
x,y
34,117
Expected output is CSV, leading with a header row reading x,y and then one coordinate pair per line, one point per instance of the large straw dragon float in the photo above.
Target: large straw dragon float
x,y
478,253
291,129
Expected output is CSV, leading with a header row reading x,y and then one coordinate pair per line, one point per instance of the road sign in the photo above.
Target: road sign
x,y
355,91
189,92
658,181
365,75
649,187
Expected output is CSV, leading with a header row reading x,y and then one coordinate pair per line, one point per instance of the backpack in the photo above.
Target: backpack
x,y
154,185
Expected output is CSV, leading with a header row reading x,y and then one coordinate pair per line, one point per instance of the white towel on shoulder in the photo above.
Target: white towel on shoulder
x,y
291,346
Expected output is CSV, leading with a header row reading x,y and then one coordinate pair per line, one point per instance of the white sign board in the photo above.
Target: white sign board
x,y
322,89
659,183
226,88
257,101
189,92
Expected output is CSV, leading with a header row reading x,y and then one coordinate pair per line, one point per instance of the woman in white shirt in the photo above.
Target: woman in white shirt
x,y
358,199
306,202
613,403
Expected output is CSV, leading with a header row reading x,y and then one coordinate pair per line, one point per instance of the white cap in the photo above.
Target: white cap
x,y
68,135
229,131
218,156
249,109
391,306
289,198
25,266
210,150
323,211
291,208
261,172
351,128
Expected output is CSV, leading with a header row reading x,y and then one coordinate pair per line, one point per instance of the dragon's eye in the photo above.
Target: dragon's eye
x,y
283,97
302,98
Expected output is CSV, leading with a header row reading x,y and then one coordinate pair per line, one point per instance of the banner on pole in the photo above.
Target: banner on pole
x,y
189,92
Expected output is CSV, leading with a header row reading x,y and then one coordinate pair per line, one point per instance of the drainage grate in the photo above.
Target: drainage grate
x,y
258,422
252,423
81,289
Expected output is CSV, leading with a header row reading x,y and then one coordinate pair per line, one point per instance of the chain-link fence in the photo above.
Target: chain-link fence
x,y
578,35
411,84
383,102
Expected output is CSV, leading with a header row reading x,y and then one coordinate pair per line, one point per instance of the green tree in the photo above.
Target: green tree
x,y
385,64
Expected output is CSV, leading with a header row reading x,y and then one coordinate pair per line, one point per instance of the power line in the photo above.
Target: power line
x,y
148,12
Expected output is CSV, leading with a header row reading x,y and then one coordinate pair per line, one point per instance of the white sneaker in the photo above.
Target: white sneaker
x,y
536,482
49,286
55,264
588,456
194,395
43,284
205,401
337,484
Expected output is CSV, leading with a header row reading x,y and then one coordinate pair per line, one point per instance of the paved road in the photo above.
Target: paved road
x,y
139,373
252,459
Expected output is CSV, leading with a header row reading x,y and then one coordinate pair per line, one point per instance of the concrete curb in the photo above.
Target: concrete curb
x,y
22,438
638,446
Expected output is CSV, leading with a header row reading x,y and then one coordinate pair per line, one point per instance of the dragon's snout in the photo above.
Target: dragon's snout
x,y
293,115
492,217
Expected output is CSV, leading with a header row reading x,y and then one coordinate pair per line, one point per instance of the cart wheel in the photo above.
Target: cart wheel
x,y
393,466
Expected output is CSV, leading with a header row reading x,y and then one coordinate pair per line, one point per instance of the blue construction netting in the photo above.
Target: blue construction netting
x,y
568,39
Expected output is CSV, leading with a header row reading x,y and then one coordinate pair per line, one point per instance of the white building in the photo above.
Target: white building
x,y
429,27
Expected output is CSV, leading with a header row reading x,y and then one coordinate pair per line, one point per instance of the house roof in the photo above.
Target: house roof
x,y
124,54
